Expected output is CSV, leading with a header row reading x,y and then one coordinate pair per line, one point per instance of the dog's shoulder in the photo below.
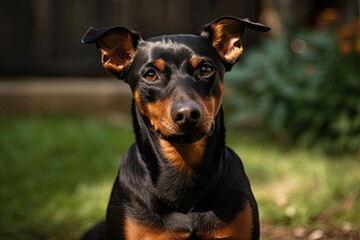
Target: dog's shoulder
x,y
133,176
233,187
233,167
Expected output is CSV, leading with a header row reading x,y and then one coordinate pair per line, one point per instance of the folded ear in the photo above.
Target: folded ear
x,y
225,35
117,45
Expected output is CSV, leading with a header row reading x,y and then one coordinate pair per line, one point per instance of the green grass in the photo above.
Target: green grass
x,y
296,187
56,173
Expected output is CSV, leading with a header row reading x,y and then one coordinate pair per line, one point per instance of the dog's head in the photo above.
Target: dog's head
x,y
177,80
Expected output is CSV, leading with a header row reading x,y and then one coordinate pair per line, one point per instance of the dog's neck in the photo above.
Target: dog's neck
x,y
180,169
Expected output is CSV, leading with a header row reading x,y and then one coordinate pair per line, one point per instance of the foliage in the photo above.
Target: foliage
x,y
306,87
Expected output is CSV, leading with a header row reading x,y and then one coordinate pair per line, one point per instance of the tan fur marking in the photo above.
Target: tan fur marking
x,y
159,116
117,51
160,64
195,61
158,113
137,100
218,99
239,229
135,231
227,39
183,156
213,103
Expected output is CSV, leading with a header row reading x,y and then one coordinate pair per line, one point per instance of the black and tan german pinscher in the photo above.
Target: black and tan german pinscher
x,y
179,180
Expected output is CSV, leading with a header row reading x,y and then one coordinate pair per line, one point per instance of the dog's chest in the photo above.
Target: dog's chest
x,y
201,226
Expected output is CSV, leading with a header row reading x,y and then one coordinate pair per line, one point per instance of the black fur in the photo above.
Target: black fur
x,y
148,189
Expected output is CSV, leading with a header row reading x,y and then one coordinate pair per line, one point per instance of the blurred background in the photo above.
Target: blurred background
x,y
292,111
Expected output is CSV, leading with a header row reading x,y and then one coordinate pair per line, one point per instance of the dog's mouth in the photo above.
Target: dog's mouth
x,y
188,136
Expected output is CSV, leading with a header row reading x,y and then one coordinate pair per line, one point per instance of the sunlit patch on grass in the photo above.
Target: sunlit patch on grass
x,y
79,211
299,186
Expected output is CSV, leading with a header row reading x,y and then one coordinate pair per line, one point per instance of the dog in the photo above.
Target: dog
x,y
178,180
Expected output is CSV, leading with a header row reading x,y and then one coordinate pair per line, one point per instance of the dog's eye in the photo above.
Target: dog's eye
x,y
206,70
150,75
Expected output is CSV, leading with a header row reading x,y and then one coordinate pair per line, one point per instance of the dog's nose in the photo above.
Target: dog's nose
x,y
186,114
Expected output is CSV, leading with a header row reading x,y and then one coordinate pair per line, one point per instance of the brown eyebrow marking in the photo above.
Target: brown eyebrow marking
x,y
195,61
160,64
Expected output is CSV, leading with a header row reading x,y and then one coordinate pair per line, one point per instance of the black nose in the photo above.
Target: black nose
x,y
186,114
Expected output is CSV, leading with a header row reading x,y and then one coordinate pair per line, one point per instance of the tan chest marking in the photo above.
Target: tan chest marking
x,y
135,231
239,229
183,156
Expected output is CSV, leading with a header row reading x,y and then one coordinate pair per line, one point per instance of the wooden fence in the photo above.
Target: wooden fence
x,y
43,36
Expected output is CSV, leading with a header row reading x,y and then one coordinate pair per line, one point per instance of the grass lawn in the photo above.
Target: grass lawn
x,y
56,173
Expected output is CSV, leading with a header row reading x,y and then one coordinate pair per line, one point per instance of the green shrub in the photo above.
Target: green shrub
x,y
306,87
